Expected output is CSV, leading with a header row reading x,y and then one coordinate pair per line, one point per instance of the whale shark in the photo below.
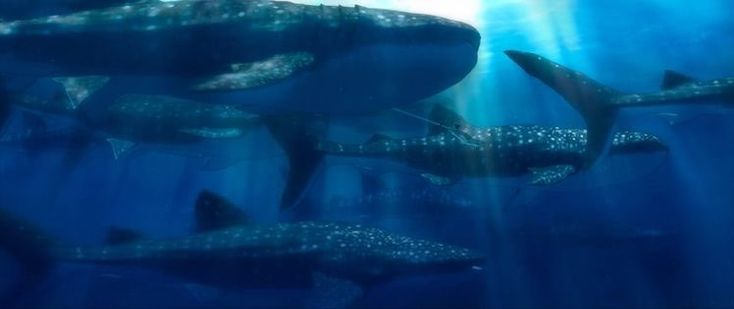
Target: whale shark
x,y
228,251
455,149
167,123
599,104
266,56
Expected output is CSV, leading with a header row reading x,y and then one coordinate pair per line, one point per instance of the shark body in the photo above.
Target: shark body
x,y
498,151
455,149
599,104
227,252
267,56
166,123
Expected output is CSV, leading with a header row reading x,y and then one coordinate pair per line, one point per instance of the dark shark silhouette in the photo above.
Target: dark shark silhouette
x,y
599,104
268,56
132,120
455,149
227,251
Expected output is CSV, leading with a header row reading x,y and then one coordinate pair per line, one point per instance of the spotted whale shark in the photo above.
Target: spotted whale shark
x,y
599,104
131,121
267,56
455,149
227,251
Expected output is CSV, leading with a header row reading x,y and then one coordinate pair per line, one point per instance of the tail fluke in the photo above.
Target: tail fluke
x,y
591,99
298,141
31,249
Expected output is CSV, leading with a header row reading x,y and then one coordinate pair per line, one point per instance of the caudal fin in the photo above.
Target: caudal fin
x,y
590,98
298,141
30,248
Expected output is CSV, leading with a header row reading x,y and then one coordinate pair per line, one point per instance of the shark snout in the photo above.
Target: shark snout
x,y
469,34
527,61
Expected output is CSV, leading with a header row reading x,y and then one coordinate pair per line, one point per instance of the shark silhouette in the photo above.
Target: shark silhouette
x,y
454,149
228,251
599,104
169,124
267,56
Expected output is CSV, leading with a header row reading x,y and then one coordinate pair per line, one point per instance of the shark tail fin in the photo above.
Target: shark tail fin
x,y
297,138
593,100
31,248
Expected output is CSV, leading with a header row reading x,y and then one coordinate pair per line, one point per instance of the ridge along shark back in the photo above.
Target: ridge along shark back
x,y
599,104
266,56
229,252
454,149
26,9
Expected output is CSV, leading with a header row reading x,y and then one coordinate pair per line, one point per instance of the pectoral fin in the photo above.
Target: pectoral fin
x,y
78,89
258,74
120,147
551,175
438,180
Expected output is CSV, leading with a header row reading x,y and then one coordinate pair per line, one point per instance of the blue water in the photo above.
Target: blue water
x,y
640,231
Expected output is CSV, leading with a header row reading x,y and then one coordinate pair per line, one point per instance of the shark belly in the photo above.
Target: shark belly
x,y
364,80
233,268
273,272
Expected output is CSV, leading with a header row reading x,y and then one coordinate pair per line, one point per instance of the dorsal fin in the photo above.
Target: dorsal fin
x,y
119,236
444,119
673,79
378,138
214,212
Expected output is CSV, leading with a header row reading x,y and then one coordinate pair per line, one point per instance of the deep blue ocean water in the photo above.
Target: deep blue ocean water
x,y
639,231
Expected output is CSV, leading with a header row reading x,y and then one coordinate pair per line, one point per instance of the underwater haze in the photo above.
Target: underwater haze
x,y
382,154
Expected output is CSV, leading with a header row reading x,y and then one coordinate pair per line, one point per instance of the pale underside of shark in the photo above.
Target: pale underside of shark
x,y
599,104
226,251
266,56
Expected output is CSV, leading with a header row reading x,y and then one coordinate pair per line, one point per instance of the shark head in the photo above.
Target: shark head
x,y
425,257
373,255
636,142
384,58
